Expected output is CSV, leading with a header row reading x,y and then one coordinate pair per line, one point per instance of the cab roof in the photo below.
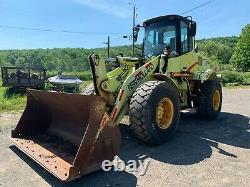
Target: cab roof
x,y
167,17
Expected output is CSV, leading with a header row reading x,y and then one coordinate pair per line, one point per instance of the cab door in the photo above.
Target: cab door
x,y
188,58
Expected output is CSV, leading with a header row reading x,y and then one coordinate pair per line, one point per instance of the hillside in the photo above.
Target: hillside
x,y
67,59
228,41
75,59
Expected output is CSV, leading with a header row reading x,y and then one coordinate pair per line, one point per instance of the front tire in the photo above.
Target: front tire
x,y
210,99
154,112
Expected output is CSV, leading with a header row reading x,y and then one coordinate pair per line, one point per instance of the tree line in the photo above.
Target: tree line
x,y
226,52
65,59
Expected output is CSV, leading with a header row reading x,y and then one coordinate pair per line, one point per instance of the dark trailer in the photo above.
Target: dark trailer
x,y
23,77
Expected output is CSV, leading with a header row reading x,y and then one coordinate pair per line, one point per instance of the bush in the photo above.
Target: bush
x,y
246,76
227,67
232,77
84,76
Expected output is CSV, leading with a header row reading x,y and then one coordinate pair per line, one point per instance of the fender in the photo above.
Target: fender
x,y
207,75
162,77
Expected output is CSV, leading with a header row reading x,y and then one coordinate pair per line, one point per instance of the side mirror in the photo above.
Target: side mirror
x,y
136,31
193,26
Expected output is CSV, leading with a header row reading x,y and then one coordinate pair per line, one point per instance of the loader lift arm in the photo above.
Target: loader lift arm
x,y
128,85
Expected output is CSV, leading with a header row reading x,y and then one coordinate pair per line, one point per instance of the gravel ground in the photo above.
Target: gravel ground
x,y
202,153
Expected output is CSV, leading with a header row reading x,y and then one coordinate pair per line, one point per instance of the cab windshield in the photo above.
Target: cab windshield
x,y
159,36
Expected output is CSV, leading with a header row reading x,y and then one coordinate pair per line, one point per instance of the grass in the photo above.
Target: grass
x,y
11,102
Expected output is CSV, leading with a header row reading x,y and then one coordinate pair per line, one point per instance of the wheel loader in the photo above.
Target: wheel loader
x,y
71,134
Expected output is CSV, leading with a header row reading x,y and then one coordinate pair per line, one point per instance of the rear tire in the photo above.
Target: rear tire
x,y
210,99
144,112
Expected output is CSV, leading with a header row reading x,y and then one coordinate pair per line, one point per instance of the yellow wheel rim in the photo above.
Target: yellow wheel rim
x,y
216,100
164,113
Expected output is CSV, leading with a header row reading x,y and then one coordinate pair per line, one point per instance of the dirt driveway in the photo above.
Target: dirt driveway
x,y
203,153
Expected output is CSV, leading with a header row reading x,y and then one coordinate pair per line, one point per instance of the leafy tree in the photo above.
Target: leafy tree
x,y
20,60
11,59
241,56
217,48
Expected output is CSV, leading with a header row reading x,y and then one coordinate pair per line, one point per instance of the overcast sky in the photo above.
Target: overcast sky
x,y
100,18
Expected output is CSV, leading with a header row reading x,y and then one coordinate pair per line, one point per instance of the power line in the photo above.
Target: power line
x,y
61,31
199,6
87,32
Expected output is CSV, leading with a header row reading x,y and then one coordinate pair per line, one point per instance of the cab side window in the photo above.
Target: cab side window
x,y
170,37
186,41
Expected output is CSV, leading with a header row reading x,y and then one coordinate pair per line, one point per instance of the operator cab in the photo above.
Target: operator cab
x,y
170,34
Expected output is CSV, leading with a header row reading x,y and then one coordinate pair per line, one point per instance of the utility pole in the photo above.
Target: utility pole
x,y
108,46
133,38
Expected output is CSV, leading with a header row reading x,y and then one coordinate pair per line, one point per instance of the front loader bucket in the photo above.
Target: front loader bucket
x,y
67,134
